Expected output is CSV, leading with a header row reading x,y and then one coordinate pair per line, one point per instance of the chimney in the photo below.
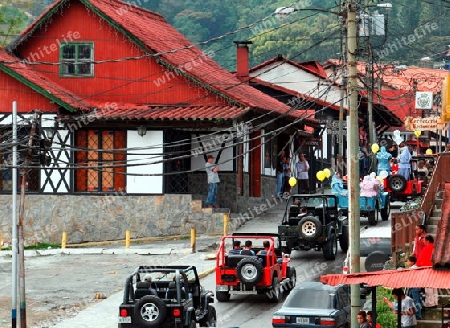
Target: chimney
x,y
242,60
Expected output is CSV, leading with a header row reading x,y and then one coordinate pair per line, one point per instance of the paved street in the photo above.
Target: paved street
x,y
103,313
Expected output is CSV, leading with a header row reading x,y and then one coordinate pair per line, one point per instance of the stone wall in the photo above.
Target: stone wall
x,y
102,218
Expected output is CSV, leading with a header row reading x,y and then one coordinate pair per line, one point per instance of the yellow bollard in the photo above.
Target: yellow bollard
x,y
127,239
64,240
226,221
193,239
1,241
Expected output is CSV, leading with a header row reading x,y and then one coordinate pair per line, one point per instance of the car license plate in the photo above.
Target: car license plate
x,y
124,319
302,320
283,243
222,288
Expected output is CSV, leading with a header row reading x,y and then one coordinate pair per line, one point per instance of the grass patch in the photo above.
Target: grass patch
x,y
38,246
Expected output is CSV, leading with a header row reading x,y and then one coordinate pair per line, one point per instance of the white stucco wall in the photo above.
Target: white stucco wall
x,y
148,153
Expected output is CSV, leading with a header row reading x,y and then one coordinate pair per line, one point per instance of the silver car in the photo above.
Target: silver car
x,y
314,303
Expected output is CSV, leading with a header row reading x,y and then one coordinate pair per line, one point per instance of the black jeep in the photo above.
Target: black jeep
x,y
173,298
320,228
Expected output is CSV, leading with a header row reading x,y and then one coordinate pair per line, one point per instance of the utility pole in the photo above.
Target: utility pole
x,y
369,73
27,161
14,219
352,158
343,87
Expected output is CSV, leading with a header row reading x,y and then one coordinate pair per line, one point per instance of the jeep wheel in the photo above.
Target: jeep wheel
x,y
150,311
292,275
275,295
330,248
397,183
211,318
344,239
386,210
249,270
373,218
223,296
309,228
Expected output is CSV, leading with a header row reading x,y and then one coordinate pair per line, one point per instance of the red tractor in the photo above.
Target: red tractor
x,y
266,274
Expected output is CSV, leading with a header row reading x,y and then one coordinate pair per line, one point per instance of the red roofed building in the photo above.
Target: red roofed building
x,y
137,107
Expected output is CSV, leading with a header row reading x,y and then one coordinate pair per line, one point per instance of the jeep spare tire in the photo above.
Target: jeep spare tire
x,y
309,228
397,182
150,312
249,270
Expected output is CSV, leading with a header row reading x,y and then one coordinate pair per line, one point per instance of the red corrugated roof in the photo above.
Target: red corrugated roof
x,y
404,77
133,112
311,66
14,67
421,277
441,251
400,102
294,93
159,37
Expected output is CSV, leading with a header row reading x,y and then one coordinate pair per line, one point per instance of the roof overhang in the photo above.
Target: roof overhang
x,y
425,277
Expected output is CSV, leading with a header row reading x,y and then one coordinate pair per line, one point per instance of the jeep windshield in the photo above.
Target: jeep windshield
x,y
165,275
316,202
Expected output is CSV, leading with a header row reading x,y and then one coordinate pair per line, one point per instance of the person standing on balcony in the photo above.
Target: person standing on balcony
x,y
302,168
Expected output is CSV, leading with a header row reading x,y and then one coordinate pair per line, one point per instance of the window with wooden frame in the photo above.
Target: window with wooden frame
x,y
77,59
100,161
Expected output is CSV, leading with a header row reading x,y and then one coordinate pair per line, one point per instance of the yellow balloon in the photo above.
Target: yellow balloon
x,y
417,133
380,179
292,181
327,173
429,151
375,148
320,175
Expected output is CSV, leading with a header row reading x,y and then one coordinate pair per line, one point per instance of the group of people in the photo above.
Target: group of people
x,y
285,172
369,185
247,250
411,300
365,319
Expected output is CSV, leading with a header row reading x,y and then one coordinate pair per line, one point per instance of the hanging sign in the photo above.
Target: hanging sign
x,y
424,100
423,124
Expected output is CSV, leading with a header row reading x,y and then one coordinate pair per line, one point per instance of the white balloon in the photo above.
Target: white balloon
x,y
384,174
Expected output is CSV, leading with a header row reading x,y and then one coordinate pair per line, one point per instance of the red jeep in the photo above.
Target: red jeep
x,y
268,274
402,189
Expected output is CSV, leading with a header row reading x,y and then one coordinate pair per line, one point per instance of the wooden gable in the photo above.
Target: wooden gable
x,y
122,73
27,99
